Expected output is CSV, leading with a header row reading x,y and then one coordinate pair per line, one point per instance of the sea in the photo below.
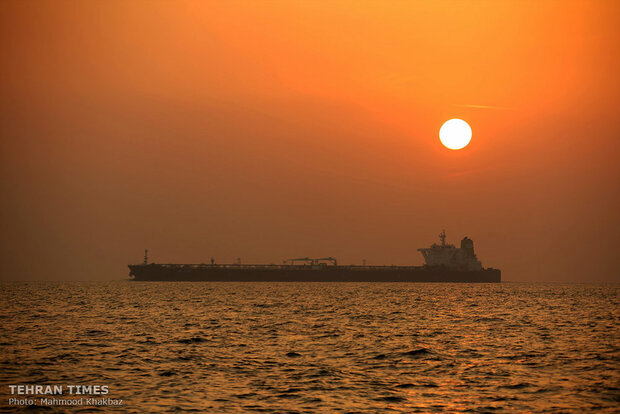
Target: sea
x,y
312,347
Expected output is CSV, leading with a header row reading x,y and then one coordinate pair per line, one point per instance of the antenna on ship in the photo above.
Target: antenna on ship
x,y
146,256
442,236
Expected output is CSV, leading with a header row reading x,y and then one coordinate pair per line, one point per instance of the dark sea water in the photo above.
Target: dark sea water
x,y
324,347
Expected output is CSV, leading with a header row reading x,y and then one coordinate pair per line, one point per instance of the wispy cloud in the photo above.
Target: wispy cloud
x,y
506,108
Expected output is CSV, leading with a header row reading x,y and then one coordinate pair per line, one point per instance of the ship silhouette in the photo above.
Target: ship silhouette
x,y
443,263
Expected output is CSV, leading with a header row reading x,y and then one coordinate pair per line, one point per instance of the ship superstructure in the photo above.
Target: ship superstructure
x,y
451,257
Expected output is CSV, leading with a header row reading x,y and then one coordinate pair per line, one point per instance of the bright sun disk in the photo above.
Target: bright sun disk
x,y
455,134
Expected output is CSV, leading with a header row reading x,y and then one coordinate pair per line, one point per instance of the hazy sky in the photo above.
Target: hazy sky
x,y
271,130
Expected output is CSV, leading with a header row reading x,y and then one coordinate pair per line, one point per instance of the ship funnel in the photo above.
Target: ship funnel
x,y
467,245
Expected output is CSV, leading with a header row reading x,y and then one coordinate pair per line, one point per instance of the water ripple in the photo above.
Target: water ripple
x,y
331,347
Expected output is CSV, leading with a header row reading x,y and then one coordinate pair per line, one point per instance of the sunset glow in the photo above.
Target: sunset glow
x,y
229,129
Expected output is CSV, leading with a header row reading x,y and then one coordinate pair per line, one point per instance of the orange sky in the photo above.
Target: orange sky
x,y
270,130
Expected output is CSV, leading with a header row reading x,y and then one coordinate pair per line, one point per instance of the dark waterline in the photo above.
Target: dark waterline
x,y
318,347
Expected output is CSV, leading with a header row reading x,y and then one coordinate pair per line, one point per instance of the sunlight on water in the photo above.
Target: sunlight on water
x,y
312,347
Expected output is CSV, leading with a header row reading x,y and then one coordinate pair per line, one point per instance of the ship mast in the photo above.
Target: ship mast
x,y
442,236
146,256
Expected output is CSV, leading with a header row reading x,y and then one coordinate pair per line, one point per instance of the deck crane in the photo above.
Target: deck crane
x,y
328,259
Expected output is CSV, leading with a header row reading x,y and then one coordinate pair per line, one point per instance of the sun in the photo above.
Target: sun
x,y
455,134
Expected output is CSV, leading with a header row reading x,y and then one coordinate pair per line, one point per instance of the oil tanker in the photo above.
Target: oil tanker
x,y
443,263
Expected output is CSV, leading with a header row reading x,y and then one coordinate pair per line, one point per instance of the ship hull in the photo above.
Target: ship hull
x,y
232,273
